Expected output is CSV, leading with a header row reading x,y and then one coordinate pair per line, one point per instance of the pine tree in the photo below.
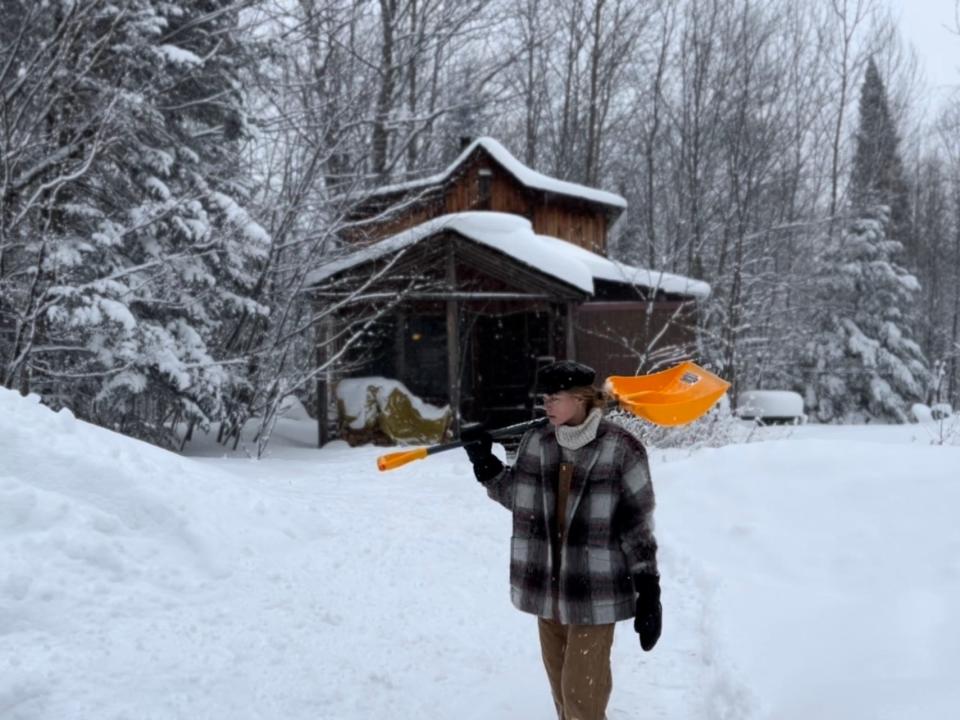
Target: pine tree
x,y
177,184
146,249
878,177
865,365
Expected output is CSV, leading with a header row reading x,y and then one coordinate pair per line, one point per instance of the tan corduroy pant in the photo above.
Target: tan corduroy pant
x,y
577,658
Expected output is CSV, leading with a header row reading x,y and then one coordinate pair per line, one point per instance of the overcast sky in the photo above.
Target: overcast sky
x,y
930,26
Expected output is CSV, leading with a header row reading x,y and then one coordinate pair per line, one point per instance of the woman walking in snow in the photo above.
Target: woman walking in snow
x,y
583,553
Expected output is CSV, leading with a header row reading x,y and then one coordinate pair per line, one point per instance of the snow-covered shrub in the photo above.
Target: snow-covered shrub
x,y
941,411
921,413
945,430
718,427
385,411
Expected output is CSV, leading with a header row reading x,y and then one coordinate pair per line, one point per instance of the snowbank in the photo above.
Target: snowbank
x,y
830,569
118,577
921,412
292,409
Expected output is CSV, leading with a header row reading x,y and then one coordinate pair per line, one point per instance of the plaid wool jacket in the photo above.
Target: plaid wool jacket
x,y
609,526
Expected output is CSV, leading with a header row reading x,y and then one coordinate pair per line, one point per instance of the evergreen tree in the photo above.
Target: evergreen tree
x,y
145,250
878,177
865,366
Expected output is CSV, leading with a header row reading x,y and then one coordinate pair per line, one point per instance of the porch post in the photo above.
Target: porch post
x,y
400,346
453,342
569,326
324,380
321,411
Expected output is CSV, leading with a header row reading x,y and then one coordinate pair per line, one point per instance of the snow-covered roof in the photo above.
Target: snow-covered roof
x,y
513,235
510,234
524,175
602,268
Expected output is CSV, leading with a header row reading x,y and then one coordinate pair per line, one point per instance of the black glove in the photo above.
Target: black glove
x,y
479,449
649,618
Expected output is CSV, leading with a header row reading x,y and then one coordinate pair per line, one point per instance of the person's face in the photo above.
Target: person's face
x,y
562,407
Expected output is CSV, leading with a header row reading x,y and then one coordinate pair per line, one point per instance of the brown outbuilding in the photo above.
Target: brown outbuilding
x,y
513,274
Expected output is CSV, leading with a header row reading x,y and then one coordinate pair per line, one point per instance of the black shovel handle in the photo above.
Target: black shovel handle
x,y
402,457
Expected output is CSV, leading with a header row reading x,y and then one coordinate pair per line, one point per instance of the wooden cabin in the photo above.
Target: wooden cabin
x,y
510,273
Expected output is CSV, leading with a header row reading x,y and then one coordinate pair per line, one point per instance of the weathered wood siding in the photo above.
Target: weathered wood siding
x,y
577,225
505,194
395,221
553,215
611,337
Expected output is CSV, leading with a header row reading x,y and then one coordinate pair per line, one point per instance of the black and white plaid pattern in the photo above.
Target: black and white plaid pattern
x,y
609,526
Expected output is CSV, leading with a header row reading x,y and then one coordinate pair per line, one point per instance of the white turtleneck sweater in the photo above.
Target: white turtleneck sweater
x,y
571,438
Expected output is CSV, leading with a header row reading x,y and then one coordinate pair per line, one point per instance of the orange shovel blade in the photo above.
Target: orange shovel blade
x,y
676,396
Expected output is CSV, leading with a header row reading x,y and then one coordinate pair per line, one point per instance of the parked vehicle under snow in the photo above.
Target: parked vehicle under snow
x,y
771,407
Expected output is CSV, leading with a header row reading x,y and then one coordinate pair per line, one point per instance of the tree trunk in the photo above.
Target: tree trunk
x,y
380,139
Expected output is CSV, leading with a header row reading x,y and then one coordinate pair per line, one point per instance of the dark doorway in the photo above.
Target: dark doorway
x,y
411,348
506,351
424,367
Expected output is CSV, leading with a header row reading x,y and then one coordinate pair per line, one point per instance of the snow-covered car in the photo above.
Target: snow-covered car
x,y
770,407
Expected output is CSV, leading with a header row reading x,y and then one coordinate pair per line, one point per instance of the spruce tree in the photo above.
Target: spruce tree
x,y
865,364
878,177
147,252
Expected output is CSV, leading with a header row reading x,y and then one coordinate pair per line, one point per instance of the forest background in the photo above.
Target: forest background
x,y
170,174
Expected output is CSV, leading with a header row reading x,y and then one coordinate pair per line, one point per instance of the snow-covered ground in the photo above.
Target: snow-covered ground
x,y
814,575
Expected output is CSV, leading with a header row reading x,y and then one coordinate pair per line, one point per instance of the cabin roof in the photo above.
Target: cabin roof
x,y
513,235
524,175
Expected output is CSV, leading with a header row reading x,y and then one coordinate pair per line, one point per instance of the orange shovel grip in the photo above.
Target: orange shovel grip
x,y
393,460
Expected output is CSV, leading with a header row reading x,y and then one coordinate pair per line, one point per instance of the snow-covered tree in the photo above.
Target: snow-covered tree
x,y
878,177
865,366
136,236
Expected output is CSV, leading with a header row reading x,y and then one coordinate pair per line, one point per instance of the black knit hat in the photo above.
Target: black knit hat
x,y
564,375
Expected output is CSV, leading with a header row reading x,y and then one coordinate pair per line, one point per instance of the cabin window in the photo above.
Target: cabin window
x,y
484,180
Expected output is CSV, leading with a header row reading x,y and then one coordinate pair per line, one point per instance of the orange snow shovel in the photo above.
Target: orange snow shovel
x,y
676,396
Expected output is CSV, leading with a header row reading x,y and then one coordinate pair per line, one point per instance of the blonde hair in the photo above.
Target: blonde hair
x,y
591,396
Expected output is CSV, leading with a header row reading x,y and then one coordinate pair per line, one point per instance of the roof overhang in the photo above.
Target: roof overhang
x,y
512,237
